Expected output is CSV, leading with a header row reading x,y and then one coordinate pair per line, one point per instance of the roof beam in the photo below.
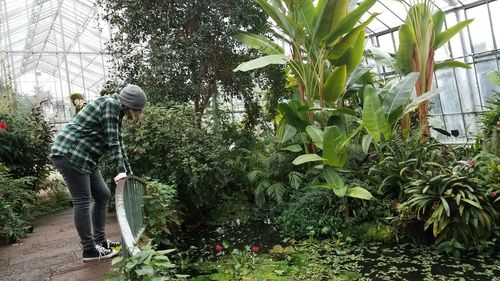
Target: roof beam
x,y
32,28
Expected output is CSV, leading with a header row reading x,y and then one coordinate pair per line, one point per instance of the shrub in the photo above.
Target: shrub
x,y
168,145
399,159
148,264
24,146
307,213
17,206
452,202
160,210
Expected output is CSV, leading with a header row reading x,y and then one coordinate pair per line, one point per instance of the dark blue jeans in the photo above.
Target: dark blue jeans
x,y
84,187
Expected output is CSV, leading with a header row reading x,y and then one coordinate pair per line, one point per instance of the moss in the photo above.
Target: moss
x,y
375,232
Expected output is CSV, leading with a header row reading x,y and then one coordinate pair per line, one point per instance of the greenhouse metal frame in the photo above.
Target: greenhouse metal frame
x,y
52,48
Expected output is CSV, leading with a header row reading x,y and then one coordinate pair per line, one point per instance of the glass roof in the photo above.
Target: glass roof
x,y
55,44
60,43
392,13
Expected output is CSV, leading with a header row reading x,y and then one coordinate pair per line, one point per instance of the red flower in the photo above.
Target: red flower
x,y
255,249
218,248
3,125
494,194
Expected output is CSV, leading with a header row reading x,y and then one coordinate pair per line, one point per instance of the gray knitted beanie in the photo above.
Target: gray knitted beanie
x,y
133,96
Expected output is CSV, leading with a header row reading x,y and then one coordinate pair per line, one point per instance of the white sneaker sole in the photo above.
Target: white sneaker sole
x,y
112,254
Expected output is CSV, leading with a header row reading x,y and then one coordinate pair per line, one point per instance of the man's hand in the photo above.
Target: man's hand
x,y
120,176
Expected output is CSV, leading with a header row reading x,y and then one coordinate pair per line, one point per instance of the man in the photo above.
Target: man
x,y
95,130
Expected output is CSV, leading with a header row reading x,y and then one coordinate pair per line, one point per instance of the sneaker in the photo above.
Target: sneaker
x,y
98,253
108,244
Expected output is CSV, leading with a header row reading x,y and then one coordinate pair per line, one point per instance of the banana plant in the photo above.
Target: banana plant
x,y
419,37
326,42
384,108
334,146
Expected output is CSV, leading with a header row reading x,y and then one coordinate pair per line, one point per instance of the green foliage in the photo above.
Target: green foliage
x,y
55,197
24,146
491,125
273,175
160,211
452,202
167,145
17,206
147,265
245,265
375,232
399,159
308,211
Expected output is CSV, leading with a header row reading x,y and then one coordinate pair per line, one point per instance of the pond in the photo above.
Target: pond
x,y
328,259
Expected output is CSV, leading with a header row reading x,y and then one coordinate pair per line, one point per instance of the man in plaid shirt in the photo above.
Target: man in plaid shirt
x,y
95,130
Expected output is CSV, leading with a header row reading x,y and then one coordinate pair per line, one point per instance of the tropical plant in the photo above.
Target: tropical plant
x,y
419,37
148,264
491,119
451,203
324,41
161,212
397,162
333,143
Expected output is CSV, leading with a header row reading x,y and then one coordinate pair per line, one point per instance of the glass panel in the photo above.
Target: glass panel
x,y
455,122
449,93
467,87
392,13
385,43
485,85
472,124
482,39
437,121
495,7
460,44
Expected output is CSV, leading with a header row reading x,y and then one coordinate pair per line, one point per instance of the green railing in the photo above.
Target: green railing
x,y
129,210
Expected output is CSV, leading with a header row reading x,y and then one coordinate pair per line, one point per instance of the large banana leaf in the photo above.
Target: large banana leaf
x,y
416,102
359,192
260,43
294,114
335,152
373,117
442,37
306,158
405,51
261,62
382,58
325,14
303,11
285,132
339,13
287,25
449,64
357,73
350,39
438,20
316,135
357,52
335,85
332,177
400,93
335,181
349,21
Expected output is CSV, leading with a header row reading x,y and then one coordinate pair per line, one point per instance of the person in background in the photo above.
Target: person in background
x,y
95,130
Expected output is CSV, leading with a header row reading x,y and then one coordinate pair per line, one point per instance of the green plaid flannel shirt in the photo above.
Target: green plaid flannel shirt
x,y
93,131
